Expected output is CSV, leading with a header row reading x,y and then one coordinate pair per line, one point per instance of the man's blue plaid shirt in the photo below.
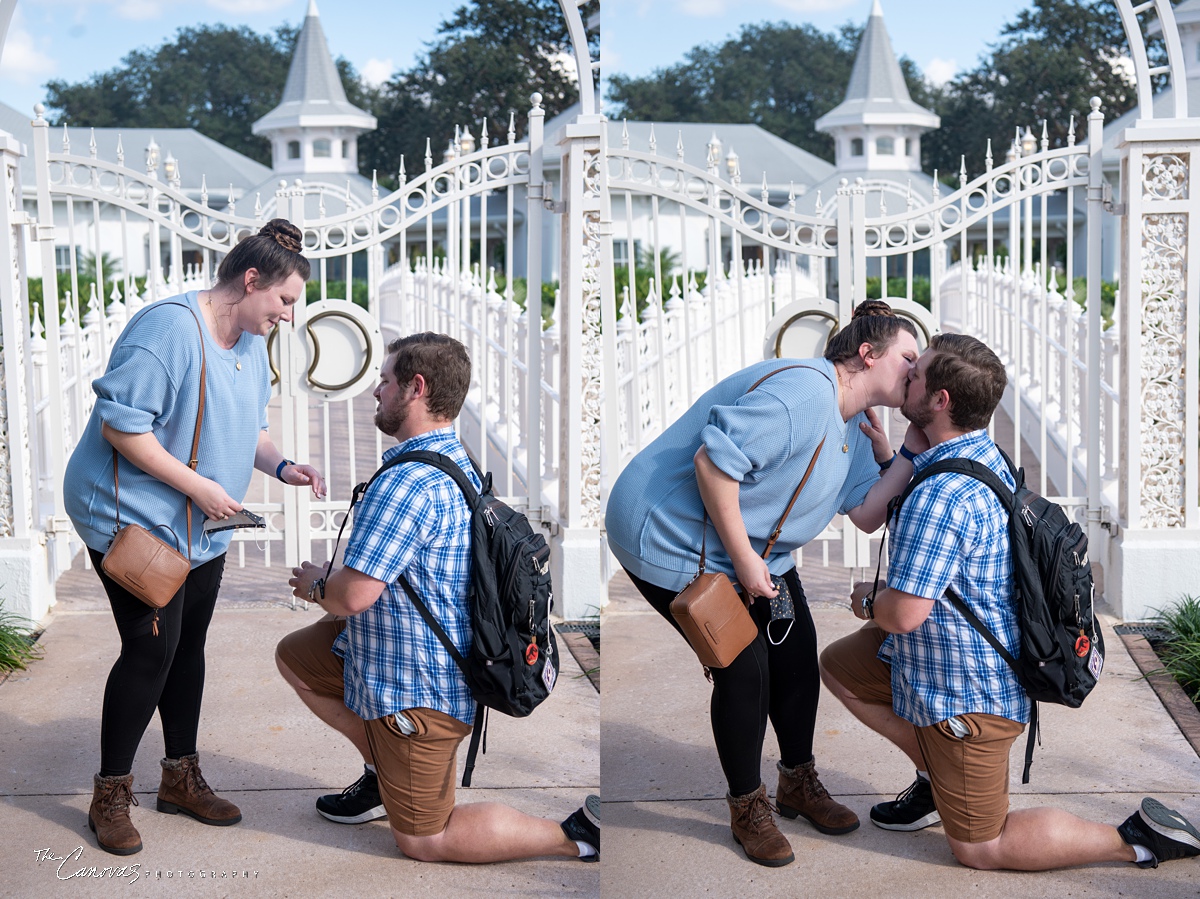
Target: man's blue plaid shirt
x,y
953,532
413,521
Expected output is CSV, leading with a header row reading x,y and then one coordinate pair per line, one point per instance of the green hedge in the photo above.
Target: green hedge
x,y
337,290
37,291
898,287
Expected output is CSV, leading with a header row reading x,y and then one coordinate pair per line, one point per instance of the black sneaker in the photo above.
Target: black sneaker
x,y
356,804
911,810
1163,831
584,825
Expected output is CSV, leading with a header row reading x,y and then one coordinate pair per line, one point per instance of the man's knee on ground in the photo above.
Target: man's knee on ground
x,y
421,848
980,856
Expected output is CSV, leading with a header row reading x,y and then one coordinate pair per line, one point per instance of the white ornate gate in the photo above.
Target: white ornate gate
x,y
1010,297
441,227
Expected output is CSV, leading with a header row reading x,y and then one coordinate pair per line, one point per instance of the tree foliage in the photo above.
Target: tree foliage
x,y
1050,62
213,78
489,57
779,76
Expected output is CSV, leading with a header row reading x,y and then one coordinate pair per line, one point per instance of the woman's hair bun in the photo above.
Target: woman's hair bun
x,y
868,308
283,233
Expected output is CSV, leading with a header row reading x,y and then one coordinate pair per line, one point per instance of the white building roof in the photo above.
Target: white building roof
x,y
196,154
758,150
1164,108
877,93
313,94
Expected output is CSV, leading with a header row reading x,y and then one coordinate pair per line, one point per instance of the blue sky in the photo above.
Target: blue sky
x,y
72,39
940,36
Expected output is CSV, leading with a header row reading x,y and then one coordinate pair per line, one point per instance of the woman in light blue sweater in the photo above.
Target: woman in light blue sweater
x,y
146,406
738,454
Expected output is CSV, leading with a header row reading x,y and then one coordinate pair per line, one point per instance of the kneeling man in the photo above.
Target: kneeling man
x,y
920,675
379,675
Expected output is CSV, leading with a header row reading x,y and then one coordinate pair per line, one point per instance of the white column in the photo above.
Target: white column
x,y
26,587
1156,550
577,549
293,441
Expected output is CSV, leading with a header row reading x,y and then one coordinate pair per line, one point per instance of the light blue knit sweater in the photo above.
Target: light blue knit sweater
x,y
152,385
764,439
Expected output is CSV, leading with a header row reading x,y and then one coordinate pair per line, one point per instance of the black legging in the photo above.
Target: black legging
x,y
781,682
164,671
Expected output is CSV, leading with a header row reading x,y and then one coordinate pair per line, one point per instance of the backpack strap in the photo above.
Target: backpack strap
x,y
449,467
971,468
1008,498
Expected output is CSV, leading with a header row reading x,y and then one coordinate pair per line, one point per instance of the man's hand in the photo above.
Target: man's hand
x,y
861,591
302,580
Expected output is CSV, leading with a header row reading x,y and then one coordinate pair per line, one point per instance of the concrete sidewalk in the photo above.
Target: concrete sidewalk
x,y
262,749
667,823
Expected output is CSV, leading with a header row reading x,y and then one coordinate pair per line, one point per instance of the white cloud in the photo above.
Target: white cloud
x,y
138,10
22,60
143,10
376,71
704,8
249,6
707,8
814,5
939,71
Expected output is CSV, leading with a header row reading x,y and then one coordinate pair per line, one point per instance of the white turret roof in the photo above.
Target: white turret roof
x,y
1186,13
313,94
877,93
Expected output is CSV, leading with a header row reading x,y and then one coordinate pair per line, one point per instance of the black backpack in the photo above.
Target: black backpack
x,y
1062,647
512,664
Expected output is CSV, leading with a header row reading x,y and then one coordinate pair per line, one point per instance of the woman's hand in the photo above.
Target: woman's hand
x,y
880,445
298,475
915,440
211,499
754,577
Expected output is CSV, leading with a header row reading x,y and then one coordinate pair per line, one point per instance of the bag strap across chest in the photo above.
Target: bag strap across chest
x,y
795,496
193,457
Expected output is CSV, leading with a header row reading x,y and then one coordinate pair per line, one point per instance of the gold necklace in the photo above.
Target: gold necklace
x,y
237,359
842,388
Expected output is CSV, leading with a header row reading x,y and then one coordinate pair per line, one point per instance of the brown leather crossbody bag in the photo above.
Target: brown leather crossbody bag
x,y
146,566
714,617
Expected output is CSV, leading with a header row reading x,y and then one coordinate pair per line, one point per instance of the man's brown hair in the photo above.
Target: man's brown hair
x,y
971,374
444,364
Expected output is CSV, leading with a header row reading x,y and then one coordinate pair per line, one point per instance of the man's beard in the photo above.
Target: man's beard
x,y
391,420
918,410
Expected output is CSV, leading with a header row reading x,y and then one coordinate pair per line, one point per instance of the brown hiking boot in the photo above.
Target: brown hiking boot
x,y
184,790
755,830
109,815
800,793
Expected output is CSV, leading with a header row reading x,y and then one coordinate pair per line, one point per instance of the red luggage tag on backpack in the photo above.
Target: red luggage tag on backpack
x,y
1082,646
531,654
